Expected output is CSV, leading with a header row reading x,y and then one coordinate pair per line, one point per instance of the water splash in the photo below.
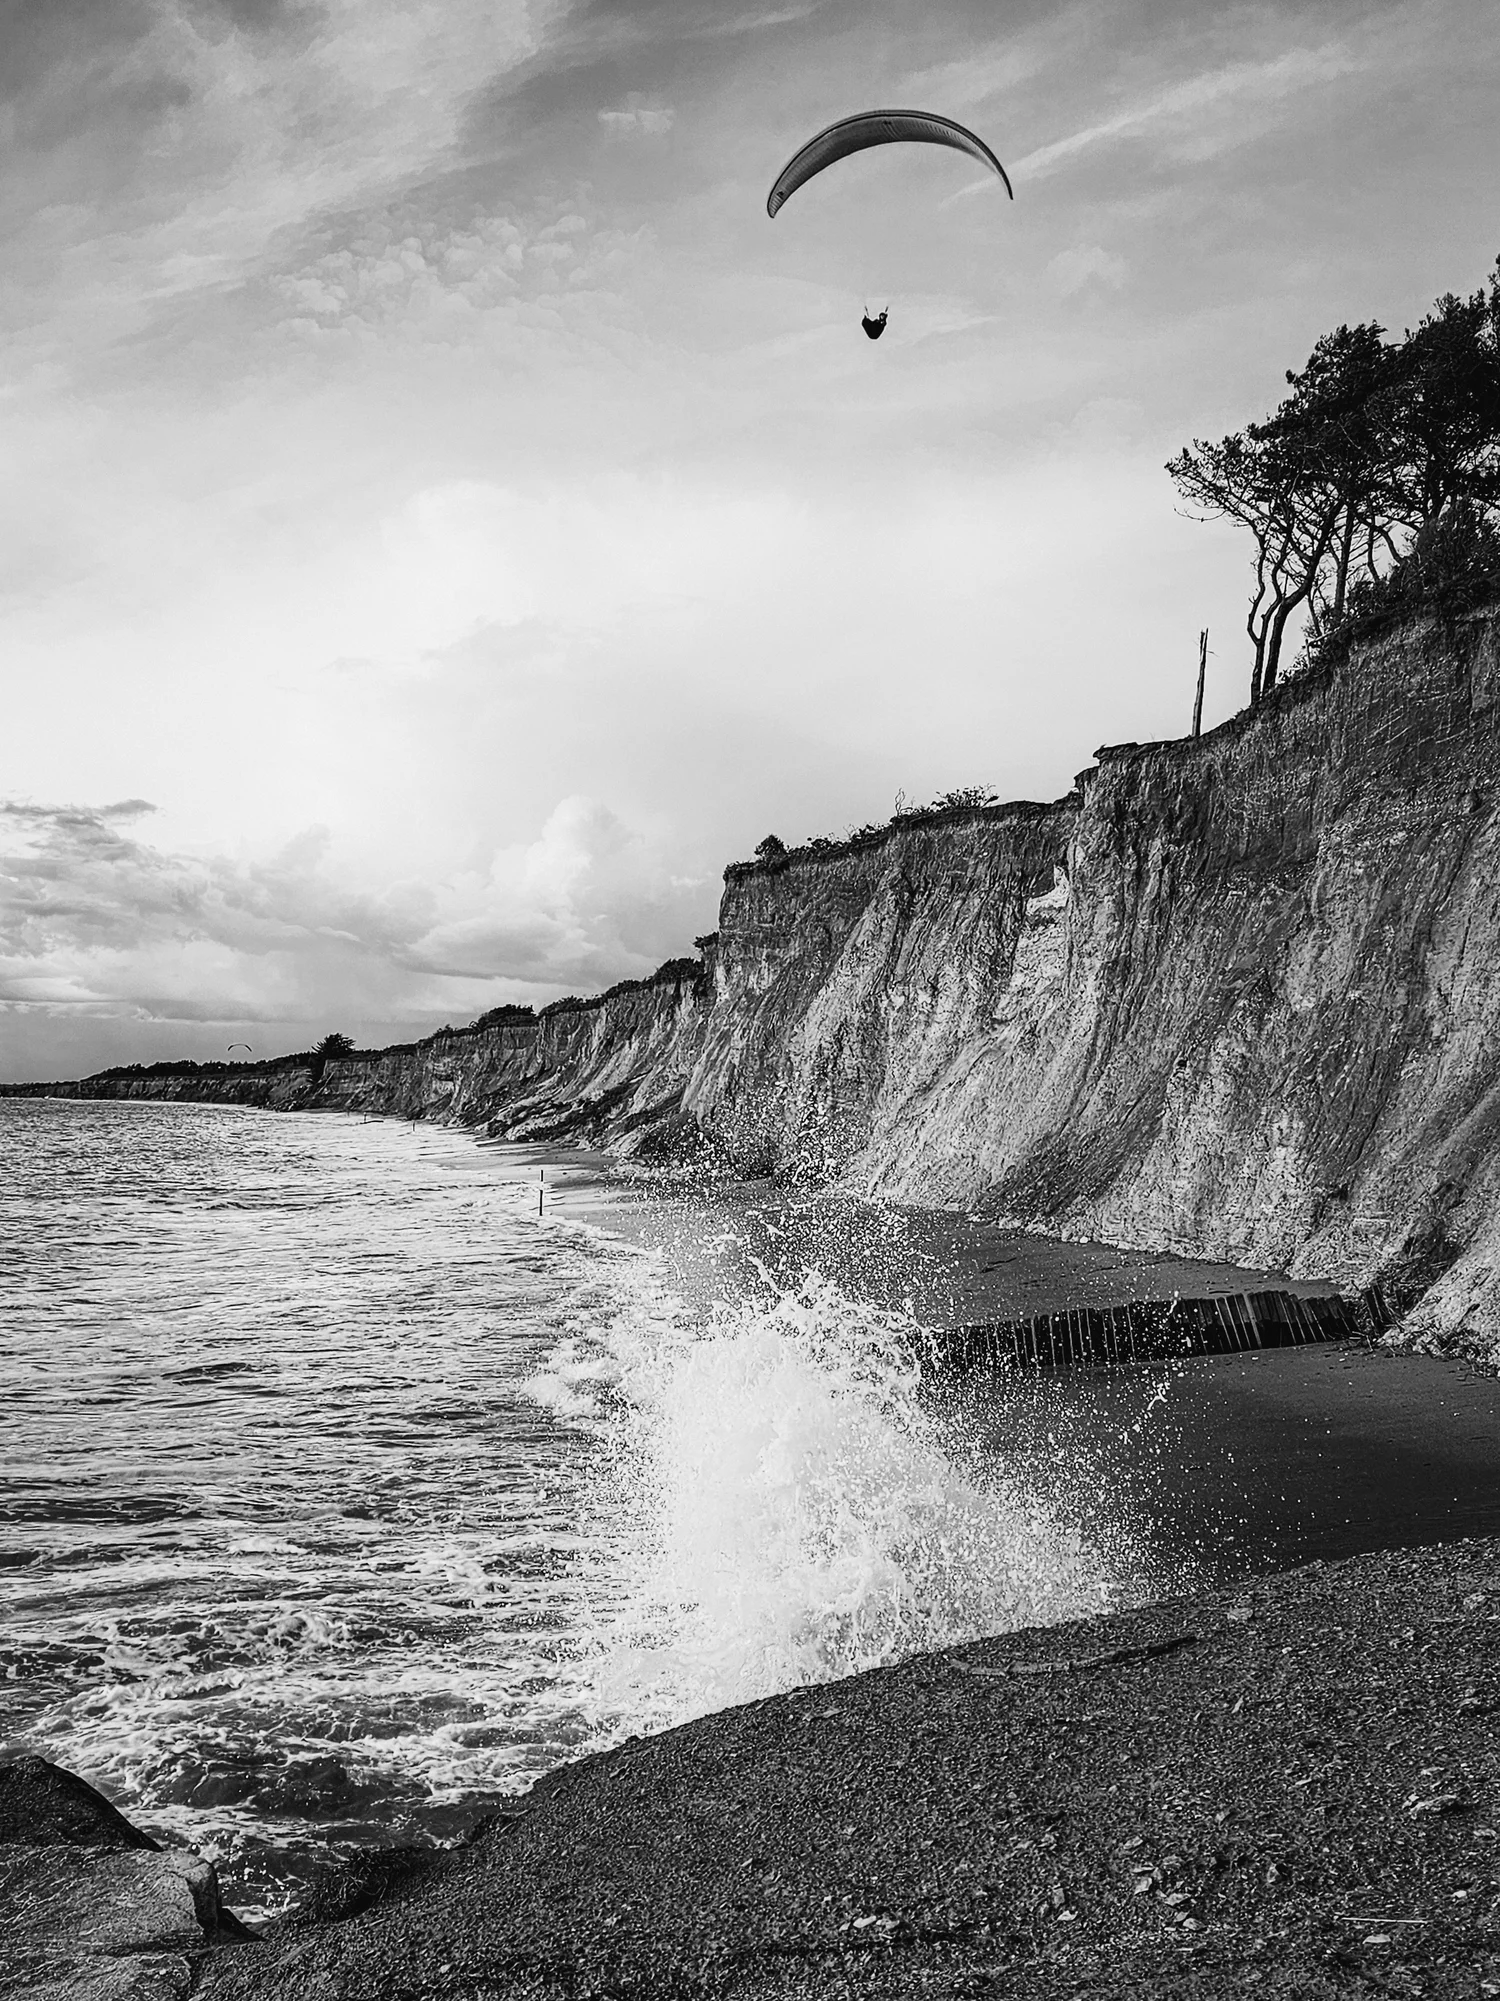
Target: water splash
x,y
775,1498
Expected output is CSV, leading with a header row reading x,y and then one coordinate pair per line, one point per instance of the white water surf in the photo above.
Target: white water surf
x,y
340,1499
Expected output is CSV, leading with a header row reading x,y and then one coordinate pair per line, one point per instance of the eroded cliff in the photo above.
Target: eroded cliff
x,y
1237,996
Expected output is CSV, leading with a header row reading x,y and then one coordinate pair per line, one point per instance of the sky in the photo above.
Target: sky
x,y
443,520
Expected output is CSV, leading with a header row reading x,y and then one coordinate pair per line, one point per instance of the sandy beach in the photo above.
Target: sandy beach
x,y
946,1267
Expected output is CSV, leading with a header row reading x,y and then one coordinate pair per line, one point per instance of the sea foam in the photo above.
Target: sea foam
x,y
780,1494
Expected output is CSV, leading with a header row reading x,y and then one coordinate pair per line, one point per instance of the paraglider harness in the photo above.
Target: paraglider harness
x,y
876,327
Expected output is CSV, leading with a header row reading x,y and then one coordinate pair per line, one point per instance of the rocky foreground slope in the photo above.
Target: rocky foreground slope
x,y
1289,1790
1235,996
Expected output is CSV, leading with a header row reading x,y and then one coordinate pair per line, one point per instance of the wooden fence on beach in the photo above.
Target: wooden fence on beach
x,y
1149,1330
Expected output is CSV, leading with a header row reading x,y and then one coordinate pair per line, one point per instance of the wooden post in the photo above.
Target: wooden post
x,y
1202,676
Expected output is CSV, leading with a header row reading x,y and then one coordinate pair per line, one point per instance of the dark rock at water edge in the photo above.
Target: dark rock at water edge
x,y
42,1806
92,1909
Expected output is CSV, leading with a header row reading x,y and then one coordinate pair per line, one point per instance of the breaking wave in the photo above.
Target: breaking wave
x,y
783,1495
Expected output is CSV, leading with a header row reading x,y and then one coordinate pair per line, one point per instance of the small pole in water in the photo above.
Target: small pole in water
x,y
541,1192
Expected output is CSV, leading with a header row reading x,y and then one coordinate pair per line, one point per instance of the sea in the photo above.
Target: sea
x,y
349,1482
345,1488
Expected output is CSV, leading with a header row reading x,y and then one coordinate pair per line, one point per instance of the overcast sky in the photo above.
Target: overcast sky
x,y
445,520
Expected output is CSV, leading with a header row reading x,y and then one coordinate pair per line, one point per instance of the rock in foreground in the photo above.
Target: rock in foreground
x,y
91,1909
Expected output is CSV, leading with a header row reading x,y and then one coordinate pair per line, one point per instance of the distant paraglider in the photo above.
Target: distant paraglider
x,y
877,128
240,1045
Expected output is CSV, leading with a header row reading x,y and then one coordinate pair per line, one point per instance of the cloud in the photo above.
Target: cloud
x,y
540,286
474,553
1188,114
92,918
164,147
1107,424
1075,270
127,809
987,72
638,117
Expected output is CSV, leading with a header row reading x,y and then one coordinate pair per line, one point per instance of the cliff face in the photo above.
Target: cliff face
x,y
1240,999
607,1072
1236,996
853,996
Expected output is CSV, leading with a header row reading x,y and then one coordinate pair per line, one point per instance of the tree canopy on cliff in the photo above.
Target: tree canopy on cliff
x,y
1381,449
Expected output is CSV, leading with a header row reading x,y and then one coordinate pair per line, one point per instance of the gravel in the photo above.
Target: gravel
x,y
1291,1788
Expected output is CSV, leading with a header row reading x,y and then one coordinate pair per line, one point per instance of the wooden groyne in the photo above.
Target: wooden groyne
x,y
1151,1330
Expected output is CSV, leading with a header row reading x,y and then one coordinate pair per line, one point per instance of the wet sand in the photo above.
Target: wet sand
x,y
950,1269
1227,1466
1224,1465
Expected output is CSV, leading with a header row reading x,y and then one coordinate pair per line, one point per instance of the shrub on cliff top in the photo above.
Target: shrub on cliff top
x,y
962,798
1453,567
1378,446
774,854
330,1050
508,1011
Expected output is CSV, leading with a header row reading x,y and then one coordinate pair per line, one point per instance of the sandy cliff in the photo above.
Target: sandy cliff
x,y
1236,996
1239,997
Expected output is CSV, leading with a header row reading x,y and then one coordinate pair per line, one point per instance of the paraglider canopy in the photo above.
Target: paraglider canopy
x,y
877,128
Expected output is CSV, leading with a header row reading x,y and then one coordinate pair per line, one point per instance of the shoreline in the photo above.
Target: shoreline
x,y
1211,1810
1288,1788
949,1268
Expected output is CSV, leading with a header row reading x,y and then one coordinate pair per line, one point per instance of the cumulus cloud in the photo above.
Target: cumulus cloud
x,y
92,917
160,150
1088,265
532,284
638,118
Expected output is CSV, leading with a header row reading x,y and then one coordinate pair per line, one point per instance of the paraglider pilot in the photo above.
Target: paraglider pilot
x,y
877,128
